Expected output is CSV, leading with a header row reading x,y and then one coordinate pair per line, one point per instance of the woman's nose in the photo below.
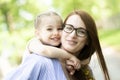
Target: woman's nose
x,y
73,34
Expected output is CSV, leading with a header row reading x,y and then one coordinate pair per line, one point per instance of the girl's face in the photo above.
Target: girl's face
x,y
49,31
74,35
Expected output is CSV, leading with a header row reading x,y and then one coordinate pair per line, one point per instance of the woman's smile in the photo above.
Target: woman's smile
x,y
71,42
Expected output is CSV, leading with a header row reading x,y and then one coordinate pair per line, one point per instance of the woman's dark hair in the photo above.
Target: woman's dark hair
x,y
93,41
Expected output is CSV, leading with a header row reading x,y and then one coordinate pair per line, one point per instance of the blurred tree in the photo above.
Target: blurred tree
x,y
19,13
113,6
16,26
97,8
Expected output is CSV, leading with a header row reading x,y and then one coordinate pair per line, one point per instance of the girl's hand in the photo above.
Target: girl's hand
x,y
73,64
70,69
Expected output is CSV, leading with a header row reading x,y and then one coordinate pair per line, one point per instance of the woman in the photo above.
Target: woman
x,y
80,38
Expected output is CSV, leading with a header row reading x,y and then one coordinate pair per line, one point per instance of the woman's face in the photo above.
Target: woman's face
x,y
74,40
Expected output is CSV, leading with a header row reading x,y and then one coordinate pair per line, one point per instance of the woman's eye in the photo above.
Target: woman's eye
x,y
68,28
81,32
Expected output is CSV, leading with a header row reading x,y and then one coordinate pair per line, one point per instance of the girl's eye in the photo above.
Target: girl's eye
x,y
60,28
49,29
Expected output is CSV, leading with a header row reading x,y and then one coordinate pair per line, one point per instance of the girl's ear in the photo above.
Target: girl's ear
x,y
37,34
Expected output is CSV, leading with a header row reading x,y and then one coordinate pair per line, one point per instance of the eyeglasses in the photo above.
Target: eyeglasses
x,y
79,31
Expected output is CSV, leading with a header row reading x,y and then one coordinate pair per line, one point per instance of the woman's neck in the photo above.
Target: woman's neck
x,y
74,53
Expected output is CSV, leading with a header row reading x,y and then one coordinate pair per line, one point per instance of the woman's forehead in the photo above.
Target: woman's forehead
x,y
76,21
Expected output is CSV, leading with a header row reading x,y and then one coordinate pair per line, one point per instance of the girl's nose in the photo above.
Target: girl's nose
x,y
56,32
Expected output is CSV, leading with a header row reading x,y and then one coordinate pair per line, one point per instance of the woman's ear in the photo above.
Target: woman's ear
x,y
87,42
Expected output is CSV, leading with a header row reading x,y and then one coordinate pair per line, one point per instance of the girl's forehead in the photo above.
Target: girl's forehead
x,y
50,19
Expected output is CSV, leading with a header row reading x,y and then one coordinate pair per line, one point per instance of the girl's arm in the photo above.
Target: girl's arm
x,y
36,46
48,51
53,52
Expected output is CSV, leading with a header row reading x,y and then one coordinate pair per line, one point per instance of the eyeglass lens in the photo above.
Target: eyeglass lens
x,y
79,31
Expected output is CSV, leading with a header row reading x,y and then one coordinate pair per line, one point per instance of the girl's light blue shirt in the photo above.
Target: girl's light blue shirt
x,y
36,67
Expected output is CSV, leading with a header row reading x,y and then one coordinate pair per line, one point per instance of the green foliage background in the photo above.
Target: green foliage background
x,y
17,21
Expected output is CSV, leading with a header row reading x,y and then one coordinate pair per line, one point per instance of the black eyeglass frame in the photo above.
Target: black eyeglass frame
x,y
76,29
